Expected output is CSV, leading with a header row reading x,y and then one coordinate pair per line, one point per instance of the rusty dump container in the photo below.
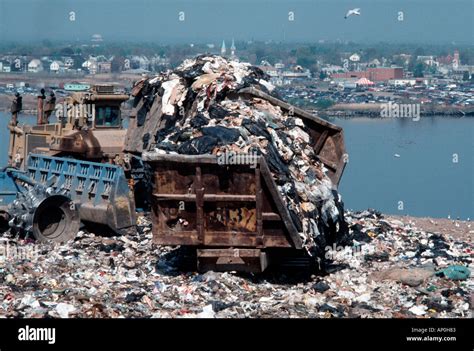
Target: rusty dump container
x,y
232,213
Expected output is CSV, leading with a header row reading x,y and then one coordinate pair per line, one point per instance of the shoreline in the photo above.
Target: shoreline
x,y
338,110
374,110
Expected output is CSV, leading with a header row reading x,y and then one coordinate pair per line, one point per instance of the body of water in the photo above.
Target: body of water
x,y
432,173
401,166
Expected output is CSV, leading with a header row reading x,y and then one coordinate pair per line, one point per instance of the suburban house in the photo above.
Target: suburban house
x,y
104,67
35,66
90,65
57,66
68,62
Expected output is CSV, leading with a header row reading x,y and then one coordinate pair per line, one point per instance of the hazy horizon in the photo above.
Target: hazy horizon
x,y
425,21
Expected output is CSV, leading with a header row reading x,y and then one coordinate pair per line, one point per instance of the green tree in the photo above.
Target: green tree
x,y
418,70
466,56
260,54
117,64
370,54
419,52
67,52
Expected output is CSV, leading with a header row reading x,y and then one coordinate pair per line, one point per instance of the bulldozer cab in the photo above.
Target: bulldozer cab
x,y
97,108
86,125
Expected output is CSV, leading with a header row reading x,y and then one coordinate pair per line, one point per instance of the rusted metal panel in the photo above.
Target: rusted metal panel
x,y
258,200
206,197
139,131
275,239
198,202
283,211
199,190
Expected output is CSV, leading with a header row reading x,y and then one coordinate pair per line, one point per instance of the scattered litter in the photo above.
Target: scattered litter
x,y
455,272
207,312
321,287
418,310
64,309
78,279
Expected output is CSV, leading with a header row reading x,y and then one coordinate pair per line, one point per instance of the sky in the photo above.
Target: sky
x,y
424,21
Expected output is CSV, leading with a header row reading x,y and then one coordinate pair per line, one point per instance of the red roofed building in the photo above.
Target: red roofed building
x,y
374,74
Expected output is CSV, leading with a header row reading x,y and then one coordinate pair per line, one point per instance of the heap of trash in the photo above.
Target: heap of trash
x,y
392,270
200,112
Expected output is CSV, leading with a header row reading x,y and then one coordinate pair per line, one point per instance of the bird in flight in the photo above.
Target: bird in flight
x,y
352,12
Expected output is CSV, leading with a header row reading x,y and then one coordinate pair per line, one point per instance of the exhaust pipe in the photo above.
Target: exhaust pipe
x,y
40,112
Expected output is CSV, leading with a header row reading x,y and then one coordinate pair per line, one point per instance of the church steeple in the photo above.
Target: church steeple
x,y
223,49
232,48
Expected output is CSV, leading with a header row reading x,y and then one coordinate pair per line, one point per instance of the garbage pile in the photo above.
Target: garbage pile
x,y
200,112
392,270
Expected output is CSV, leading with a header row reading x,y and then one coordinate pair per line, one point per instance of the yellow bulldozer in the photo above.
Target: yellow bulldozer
x,y
86,125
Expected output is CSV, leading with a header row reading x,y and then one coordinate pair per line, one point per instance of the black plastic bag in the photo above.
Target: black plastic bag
x,y
198,146
223,134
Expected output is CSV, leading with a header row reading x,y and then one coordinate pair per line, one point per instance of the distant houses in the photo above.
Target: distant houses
x,y
281,75
348,66
77,64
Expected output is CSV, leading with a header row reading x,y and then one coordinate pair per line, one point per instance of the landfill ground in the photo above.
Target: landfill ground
x,y
393,270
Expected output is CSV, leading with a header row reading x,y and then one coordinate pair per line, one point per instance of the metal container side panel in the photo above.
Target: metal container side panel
x,y
199,202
